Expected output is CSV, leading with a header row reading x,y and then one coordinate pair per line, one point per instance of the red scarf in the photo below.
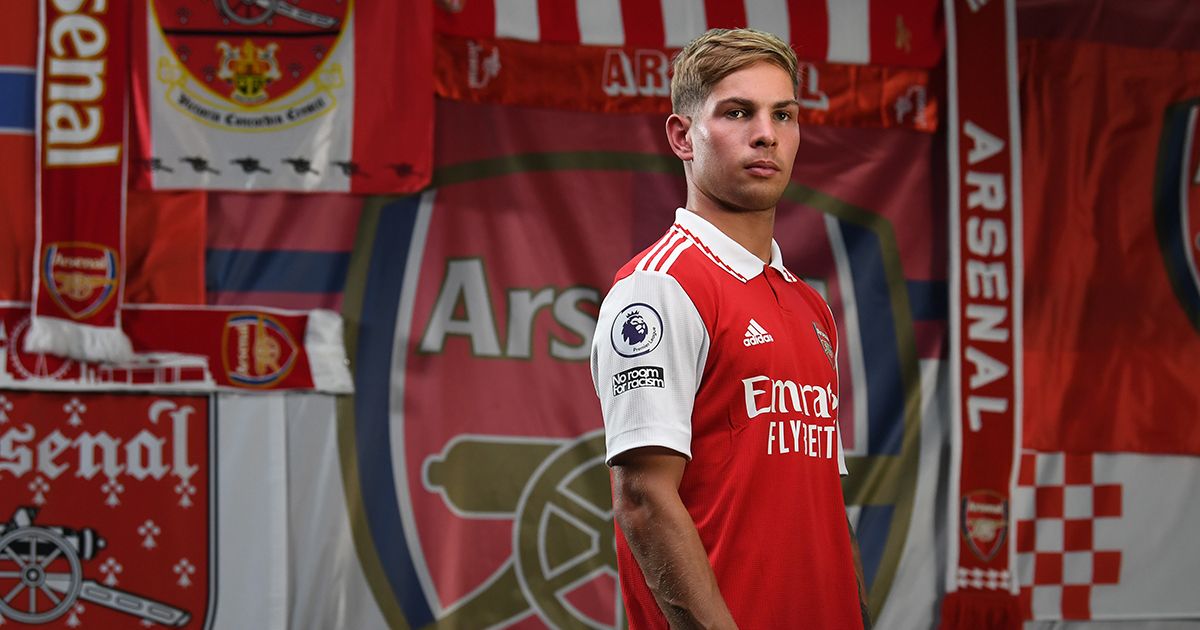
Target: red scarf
x,y
985,329
79,269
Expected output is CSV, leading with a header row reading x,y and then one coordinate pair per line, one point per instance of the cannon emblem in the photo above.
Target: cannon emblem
x,y
41,575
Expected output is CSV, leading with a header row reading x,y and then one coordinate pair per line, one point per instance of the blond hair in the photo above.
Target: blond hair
x,y
720,52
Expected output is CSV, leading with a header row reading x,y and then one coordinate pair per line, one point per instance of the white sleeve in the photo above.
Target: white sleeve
x,y
648,356
842,470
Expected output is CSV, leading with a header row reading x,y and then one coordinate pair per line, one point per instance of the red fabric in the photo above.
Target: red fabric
x,y
980,611
725,14
636,80
739,460
165,244
81,180
16,218
1111,359
898,29
808,28
394,49
210,336
558,20
984,355
643,22
230,340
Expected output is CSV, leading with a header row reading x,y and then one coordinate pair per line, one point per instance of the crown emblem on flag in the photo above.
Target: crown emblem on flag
x,y
250,69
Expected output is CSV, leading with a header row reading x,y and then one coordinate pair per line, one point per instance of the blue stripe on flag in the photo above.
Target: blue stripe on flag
x,y
885,391
279,270
16,100
929,299
372,402
874,523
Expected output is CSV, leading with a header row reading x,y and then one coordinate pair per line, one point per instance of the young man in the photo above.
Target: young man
x,y
716,369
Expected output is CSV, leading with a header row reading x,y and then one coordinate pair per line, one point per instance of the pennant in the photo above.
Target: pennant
x,y
272,96
80,187
985,310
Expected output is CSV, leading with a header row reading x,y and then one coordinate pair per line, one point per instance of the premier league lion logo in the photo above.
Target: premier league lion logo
x,y
641,330
635,328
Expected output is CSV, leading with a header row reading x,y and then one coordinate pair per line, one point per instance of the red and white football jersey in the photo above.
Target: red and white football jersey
x,y
703,349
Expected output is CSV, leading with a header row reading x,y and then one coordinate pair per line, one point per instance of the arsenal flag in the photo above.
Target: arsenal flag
x,y
266,96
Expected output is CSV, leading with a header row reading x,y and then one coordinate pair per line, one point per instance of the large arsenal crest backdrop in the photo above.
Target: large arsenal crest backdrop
x,y
476,432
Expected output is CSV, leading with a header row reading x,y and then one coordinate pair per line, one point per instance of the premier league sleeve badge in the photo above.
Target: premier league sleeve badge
x,y
636,330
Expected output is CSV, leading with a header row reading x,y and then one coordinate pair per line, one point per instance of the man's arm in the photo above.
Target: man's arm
x,y
863,608
663,538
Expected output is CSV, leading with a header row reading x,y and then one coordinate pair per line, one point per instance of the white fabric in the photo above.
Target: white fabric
x,y
285,551
52,335
327,353
728,250
650,415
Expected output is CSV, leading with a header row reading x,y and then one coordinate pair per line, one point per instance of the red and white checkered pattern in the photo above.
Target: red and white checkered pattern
x,y
989,579
1056,508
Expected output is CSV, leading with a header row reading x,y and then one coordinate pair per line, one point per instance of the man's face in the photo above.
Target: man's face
x,y
744,139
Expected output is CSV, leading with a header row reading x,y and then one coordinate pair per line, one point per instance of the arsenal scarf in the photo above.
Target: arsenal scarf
x,y
83,61
237,349
985,313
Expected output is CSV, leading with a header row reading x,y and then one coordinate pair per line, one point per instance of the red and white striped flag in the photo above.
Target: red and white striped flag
x,y
903,33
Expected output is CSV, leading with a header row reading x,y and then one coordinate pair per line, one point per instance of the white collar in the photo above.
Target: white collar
x,y
725,252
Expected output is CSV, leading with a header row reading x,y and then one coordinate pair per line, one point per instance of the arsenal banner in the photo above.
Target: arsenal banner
x,y
107,510
985,312
621,79
80,181
273,96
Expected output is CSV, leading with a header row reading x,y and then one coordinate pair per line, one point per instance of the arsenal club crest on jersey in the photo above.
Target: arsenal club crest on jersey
x,y
106,518
1177,204
983,520
251,66
80,277
257,349
826,344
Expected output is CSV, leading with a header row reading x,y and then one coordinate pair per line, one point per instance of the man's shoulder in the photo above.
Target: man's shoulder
x,y
674,255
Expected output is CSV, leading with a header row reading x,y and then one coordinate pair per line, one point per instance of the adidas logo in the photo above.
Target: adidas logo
x,y
756,334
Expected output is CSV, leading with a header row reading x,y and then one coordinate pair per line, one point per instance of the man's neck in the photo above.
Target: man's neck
x,y
752,229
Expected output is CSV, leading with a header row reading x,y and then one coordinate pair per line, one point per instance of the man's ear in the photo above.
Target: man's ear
x,y
678,137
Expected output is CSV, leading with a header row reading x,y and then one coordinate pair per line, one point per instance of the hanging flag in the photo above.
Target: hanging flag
x,y
331,95
985,312
862,64
623,79
1108,485
80,181
1115,258
901,33
18,84
283,250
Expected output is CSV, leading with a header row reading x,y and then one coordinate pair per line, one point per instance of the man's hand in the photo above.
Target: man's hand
x,y
663,538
